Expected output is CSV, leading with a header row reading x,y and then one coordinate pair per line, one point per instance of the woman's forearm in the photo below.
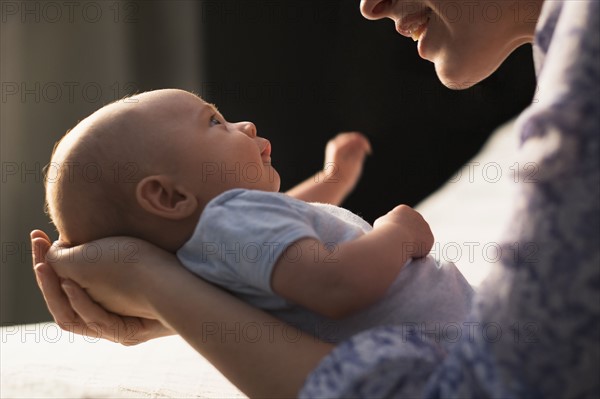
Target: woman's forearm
x,y
258,353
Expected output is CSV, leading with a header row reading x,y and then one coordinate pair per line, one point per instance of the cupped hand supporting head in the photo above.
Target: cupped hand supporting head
x,y
74,310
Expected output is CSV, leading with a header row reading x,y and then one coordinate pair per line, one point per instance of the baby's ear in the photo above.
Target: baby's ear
x,y
160,196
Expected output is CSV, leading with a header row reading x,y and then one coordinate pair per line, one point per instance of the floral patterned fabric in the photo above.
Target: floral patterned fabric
x,y
534,330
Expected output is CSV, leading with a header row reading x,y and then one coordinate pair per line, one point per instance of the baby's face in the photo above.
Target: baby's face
x,y
210,154
169,134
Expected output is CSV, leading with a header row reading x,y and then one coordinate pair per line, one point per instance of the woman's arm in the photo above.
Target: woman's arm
x,y
344,158
260,354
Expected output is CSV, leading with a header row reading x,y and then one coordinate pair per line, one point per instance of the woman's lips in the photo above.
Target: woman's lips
x,y
413,25
416,34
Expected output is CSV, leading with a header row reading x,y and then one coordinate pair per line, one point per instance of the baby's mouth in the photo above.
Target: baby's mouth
x,y
265,151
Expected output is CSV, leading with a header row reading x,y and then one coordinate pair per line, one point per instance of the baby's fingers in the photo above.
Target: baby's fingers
x,y
361,141
354,141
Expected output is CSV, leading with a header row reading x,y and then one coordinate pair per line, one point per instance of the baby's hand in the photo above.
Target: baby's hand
x,y
410,228
344,158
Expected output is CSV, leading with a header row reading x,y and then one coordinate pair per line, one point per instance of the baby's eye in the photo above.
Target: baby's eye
x,y
214,121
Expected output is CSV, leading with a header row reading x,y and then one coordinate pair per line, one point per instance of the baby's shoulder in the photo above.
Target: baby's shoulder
x,y
251,198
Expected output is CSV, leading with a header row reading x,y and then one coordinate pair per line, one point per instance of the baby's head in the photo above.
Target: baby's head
x,y
147,165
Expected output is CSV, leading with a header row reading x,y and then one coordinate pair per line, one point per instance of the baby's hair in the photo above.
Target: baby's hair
x,y
82,206
127,135
57,143
211,105
45,180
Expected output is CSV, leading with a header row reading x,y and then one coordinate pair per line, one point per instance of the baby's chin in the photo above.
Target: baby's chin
x,y
271,182
276,181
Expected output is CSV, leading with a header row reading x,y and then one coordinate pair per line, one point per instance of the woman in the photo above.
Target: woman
x,y
534,326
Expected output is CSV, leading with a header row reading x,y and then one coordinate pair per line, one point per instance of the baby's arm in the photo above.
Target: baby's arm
x,y
344,158
337,282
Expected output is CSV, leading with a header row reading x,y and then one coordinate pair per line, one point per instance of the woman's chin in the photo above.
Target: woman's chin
x,y
461,71
458,78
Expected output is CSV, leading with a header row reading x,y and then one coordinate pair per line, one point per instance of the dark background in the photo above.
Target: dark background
x,y
305,70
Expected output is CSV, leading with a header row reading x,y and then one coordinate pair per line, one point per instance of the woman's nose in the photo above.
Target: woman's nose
x,y
374,9
248,128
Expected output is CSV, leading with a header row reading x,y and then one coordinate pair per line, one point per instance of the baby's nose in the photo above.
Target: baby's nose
x,y
249,128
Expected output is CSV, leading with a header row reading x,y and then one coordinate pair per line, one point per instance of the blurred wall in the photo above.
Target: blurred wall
x,y
60,61
301,70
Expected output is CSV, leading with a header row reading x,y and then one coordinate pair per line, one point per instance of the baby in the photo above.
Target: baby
x,y
165,166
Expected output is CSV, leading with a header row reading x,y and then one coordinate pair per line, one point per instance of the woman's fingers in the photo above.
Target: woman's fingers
x,y
40,244
95,319
77,313
88,310
66,263
49,283
39,233
57,302
154,327
99,323
71,306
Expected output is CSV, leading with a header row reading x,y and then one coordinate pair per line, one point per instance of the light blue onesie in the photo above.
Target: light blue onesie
x,y
242,233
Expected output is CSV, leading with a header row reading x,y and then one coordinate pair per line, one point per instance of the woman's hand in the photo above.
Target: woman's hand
x,y
264,364
73,309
